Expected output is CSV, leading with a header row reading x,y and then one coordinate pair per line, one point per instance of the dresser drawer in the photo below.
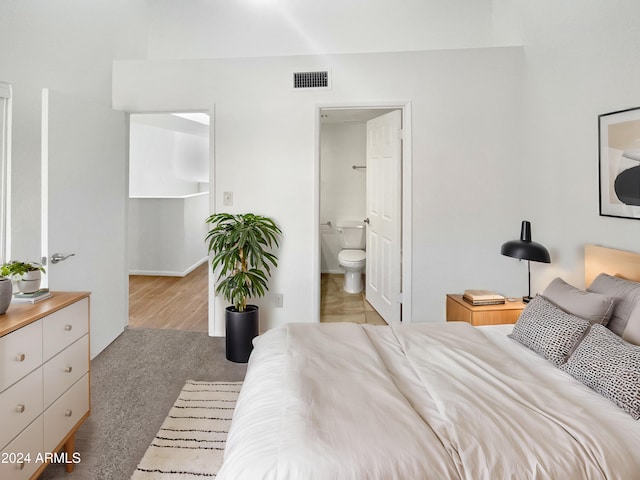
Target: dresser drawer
x,y
60,329
22,457
65,369
65,413
20,353
20,405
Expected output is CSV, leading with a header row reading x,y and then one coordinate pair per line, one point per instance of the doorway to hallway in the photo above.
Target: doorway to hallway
x,y
168,205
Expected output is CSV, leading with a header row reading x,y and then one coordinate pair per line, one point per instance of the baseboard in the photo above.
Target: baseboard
x,y
169,273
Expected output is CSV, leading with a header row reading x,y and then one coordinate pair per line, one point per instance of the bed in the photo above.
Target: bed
x,y
450,401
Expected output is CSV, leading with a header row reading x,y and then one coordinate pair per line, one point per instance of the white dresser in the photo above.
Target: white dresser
x,y
44,383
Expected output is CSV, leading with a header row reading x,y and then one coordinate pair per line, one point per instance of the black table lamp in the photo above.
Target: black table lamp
x,y
525,249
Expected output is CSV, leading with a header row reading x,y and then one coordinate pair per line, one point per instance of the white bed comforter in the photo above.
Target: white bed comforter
x,y
432,401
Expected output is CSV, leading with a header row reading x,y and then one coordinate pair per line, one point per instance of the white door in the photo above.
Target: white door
x,y
83,208
384,228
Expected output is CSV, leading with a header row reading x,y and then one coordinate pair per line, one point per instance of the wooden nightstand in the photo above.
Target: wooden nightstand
x,y
461,311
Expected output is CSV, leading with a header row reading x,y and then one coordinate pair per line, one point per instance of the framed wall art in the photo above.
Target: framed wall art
x,y
619,141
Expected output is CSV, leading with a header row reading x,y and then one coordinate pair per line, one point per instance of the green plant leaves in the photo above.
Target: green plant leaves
x,y
19,268
240,246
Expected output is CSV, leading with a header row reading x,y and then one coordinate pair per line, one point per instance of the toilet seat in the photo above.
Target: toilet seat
x,y
351,257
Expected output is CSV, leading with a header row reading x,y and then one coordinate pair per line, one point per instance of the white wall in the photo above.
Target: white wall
x,y
255,28
166,235
466,114
342,189
580,61
43,45
510,132
164,161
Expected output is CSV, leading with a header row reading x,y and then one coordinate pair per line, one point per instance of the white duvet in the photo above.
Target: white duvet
x,y
431,401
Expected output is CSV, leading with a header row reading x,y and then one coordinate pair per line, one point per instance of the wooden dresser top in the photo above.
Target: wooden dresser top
x,y
20,314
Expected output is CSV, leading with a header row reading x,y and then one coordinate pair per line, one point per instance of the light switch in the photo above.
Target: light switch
x,y
278,300
227,199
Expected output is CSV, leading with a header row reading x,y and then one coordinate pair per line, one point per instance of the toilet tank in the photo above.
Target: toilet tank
x,y
351,234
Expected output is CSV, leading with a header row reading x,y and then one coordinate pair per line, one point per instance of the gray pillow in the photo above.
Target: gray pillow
x,y
632,330
548,330
606,363
594,307
627,294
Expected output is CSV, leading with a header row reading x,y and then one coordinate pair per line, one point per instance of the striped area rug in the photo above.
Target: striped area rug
x,y
190,443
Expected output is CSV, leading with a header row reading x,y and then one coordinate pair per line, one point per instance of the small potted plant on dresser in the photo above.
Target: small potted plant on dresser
x,y
240,245
26,275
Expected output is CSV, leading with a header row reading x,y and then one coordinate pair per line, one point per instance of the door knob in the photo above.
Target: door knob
x,y
366,220
58,257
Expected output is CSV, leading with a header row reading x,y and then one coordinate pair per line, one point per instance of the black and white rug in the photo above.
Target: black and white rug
x,y
191,441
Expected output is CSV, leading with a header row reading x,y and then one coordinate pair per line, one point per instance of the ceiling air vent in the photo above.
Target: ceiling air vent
x,y
311,79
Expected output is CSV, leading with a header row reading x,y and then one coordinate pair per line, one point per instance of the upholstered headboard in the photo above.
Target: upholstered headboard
x,y
608,260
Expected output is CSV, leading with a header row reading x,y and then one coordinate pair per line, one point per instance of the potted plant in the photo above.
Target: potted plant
x,y
240,245
27,275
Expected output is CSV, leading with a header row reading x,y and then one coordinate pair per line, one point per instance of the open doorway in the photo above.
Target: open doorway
x,y
168,203
360,194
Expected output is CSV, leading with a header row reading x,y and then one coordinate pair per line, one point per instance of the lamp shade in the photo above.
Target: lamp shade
x,y
524,248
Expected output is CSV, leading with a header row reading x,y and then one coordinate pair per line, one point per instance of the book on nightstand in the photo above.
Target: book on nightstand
x,y
482,297
34,297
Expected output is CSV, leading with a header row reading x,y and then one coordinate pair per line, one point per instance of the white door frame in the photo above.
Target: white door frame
x,y
405,107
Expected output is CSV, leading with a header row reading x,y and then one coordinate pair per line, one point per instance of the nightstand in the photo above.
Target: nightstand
x,y
461,311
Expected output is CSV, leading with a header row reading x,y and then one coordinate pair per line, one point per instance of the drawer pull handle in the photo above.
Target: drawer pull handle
x,y
20,357
68,413
20,408
68,328
20,466
68,369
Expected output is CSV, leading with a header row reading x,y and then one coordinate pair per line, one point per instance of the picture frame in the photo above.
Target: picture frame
x,y
619,163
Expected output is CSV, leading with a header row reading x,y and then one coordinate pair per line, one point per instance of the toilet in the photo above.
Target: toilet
x,y
352,257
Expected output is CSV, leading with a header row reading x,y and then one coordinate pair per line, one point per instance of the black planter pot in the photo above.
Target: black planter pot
x,y
241,329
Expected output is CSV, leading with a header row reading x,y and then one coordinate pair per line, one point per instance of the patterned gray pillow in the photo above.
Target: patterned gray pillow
x,y
548,330
610,366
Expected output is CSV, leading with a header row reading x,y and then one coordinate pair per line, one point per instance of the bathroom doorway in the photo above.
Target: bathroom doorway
x,y
168,202
343,183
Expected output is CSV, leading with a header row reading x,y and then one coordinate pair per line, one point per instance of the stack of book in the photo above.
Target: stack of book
x,y
34,297
482,297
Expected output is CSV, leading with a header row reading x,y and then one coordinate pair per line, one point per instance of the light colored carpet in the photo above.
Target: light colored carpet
x,y
191,441
134,383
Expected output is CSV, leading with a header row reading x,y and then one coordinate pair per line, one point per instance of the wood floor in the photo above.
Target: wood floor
x,y
336,305
181,303
173,303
